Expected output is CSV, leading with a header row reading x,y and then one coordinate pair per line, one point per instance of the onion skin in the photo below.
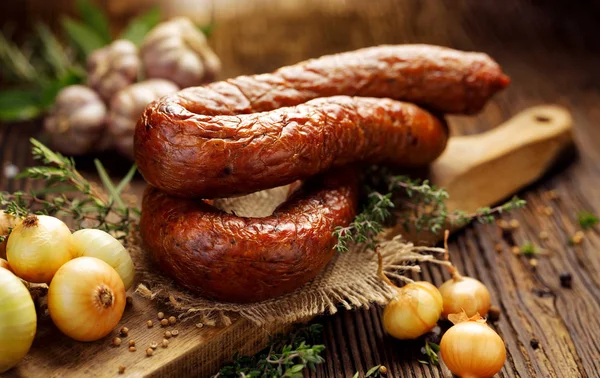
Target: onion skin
x,y
18,320
465,293
6,221
86,299
4,264
101,245
471,349
37,247
414,312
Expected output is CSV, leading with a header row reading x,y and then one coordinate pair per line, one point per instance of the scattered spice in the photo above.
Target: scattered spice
x,y
160,315
544,235
516,250
121,369
164,322
150,324
551,194
543,292
514,224
533,263
566,280
494,314
577,238
504,226
167,334
528,249
172,320
154,345
174,333
199,325
131,343
548,210
587,219
116,341
534,343
382,370
498,247
124,331
132,349
149,352
128,300
165,343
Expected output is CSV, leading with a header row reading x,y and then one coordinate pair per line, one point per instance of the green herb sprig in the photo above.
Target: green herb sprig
x,y
587,219
287,356
67,192
431,351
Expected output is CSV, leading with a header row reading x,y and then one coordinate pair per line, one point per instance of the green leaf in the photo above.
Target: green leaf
x,y
82,36
423,362
372,370
19,105
51,88
587,219
108,184
95,18
126,180
53,51
207,30
14,62
137,29
355,375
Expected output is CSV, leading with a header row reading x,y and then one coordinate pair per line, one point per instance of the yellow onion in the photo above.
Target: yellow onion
x,y
7,221
37,247
101,245
465,293
4,264
86,299
414,311
471,349
17,320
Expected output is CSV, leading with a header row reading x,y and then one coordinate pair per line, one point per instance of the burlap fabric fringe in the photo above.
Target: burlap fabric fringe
x,y
349,280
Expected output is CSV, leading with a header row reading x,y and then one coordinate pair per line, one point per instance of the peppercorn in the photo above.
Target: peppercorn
x,y
544,235
165,343
132,349
149,352
494,314
516,250
498,247
533,263
160,315
116,341
534,343
514,224
124,331
566,280
172,320
149,324
167,334
121,369
164,322
382,370
131,343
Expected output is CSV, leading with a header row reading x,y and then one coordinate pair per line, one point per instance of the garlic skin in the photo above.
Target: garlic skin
x,y
127,106
113,67
7,221
465,293
101,245
471,349
37,247
77,121
18,320
176,50
414,311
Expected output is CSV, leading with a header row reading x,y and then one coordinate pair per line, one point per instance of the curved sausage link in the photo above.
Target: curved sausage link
x,y
235,259
191,155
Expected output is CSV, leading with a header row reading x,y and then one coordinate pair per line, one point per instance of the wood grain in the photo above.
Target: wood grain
x,y
550,50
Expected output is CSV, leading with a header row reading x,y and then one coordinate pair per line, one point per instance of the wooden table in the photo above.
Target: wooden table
x,y
550,50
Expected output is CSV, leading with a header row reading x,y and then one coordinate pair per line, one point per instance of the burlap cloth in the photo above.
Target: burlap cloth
x,y
350,279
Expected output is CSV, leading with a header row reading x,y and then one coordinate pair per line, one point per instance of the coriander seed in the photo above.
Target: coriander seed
x,y
121,369
149,352
514,224
150,324
544,235
533,263
124,331
160,315
165,343
154,345
167,334
516,250
498,247
116,341
164,322
172,320
174,332
132,349
382,370
577,238
131,343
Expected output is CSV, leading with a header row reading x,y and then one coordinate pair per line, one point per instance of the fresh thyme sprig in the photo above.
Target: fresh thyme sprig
x,y
287,356
431,351
424,208
67,192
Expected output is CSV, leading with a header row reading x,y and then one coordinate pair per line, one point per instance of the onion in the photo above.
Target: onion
x,y
17,320
4,264
37,247
465,293
101,245
7,221
86,299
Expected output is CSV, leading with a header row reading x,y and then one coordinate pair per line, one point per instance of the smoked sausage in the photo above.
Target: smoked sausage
x,y
250,133
234,259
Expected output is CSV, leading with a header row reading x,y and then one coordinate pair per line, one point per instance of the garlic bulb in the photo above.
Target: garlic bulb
x,y
414,311
101,245
127,106
18,320
113,67
77,121
176,50
7,221
471,349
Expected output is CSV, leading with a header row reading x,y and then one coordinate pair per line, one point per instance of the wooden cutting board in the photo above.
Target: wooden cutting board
x,y
478,170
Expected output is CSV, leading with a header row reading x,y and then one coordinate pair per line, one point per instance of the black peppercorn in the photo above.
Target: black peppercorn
x,y
534,343
566,280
